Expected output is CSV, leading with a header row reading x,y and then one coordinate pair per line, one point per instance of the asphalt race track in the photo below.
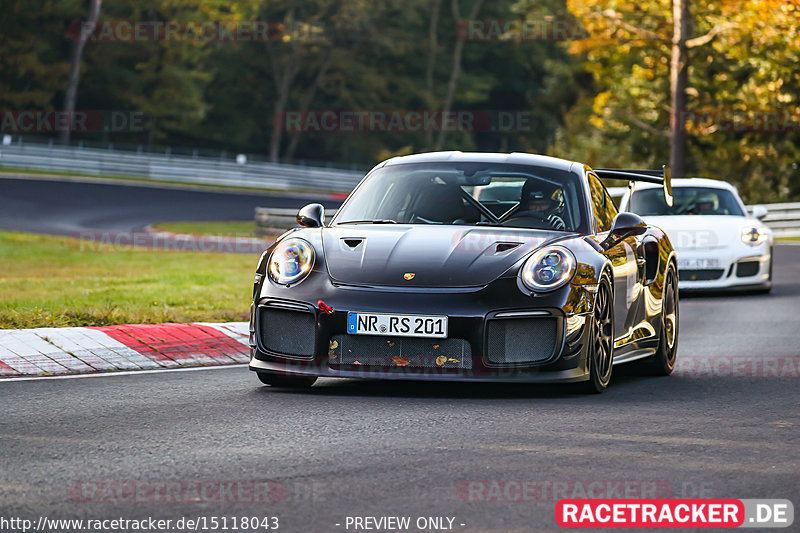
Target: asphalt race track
x,y
71,448
59,207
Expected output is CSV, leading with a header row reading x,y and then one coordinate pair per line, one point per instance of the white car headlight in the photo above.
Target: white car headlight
x,y
754,235
291,261
548,269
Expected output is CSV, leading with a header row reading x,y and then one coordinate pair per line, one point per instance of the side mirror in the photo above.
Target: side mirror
x,y
625,224
311,216
668,185
759,212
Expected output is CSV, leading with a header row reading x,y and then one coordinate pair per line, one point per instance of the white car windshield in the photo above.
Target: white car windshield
x,y
687,201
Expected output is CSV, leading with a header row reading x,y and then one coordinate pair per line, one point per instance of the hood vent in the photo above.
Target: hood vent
x,y
352,243
505,246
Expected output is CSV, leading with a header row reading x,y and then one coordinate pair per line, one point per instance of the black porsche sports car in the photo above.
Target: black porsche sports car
x,y
469,267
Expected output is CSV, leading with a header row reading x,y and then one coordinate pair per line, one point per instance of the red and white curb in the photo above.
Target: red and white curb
x,y
57,351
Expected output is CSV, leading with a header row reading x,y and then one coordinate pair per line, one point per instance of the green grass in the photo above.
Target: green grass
x,y
59,281
225,229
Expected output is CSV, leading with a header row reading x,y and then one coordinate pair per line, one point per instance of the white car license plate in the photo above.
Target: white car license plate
x,y
433,326
698,264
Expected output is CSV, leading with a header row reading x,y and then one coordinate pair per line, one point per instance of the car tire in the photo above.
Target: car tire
x,y
663,362
600,352
286,382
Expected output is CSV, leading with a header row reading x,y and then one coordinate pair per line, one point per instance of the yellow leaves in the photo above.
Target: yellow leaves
x,y
331,347
600,102
443,359
775,85
600,109
400,361
646,73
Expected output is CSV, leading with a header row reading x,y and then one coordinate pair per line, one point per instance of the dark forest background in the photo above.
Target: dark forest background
x,y
594,78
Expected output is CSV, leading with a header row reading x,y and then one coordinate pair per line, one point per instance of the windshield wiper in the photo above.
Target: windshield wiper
x,y
376,221
684,209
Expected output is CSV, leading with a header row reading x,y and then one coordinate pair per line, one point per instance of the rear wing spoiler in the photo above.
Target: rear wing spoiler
x,y
660,177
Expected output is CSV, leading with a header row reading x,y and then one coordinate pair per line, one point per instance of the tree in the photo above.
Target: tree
x,y
717,58
82,38
33,70
678,78
455,69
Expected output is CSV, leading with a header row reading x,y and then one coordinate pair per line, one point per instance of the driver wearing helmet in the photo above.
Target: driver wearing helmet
x,y
544,201
706,203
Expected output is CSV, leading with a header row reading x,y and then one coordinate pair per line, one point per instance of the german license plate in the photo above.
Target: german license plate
x,y
698,264
432,326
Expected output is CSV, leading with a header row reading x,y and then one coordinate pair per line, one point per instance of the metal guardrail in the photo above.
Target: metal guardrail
x,y
783,219
183,169
269,219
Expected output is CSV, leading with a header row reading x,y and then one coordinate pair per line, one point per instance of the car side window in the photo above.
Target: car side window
x,y
602,204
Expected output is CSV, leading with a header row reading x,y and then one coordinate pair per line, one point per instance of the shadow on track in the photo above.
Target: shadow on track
x,y
433,389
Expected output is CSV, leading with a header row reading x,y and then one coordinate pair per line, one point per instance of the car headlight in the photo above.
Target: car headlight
x,y
291,261
754,235
548,269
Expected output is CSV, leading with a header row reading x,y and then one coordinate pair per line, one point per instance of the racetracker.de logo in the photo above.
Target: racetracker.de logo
x,y
725,366
403,121
134,491
38,121
515,30
708,121
546,491
674,513
131,31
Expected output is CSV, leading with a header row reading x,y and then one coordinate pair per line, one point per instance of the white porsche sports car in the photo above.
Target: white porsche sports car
x,y
718,245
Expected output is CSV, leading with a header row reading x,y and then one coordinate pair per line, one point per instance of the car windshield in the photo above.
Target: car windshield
x,y
520,196
687,201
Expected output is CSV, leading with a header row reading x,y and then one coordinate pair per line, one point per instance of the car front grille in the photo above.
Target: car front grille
x,y
746,269
521,340
287,332
700,275
411,352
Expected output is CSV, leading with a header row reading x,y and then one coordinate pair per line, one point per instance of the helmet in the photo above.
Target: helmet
x,y
706,202
536,190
